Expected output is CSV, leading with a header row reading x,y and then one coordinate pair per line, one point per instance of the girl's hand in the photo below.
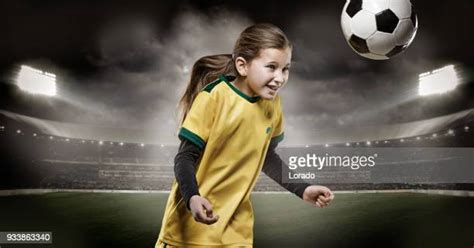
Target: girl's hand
x,y
202,210
318,195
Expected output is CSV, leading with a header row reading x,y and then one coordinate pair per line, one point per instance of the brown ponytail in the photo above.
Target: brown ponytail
x,y
205,70
248,45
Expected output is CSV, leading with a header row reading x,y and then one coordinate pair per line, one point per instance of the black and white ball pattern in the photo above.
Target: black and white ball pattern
x,y
379,29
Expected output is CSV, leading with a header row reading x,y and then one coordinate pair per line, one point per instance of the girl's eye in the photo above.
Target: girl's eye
x,y
271,67
286,69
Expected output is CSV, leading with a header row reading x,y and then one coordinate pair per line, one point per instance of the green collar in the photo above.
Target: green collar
x,y
228,79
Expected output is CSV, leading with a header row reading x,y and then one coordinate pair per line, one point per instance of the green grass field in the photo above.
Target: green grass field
x,y
282,220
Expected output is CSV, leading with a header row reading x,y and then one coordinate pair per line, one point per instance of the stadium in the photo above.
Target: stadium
x,y
56,155
87,153
53,169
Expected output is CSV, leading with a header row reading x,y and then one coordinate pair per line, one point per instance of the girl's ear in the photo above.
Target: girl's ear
x,y
241,66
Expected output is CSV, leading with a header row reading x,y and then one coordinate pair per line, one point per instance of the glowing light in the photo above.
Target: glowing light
x,y
466,128
18,131
438,81
142,145
37,82
347,144
368,143
121,143
101,142
326,145
434,135
185,69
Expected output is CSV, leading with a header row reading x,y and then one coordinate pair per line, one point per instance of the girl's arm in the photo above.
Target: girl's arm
x,y
273,167
184,169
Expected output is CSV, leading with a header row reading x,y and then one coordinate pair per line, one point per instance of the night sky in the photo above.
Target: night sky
x,y
125,63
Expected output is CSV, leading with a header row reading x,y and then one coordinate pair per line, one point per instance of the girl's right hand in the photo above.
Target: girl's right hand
x,y
201,209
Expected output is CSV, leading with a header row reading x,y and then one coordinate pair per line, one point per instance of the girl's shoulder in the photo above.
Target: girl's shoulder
x,y
210,87
216,90
222,79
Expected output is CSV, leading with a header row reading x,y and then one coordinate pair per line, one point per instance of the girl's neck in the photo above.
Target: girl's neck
x,y
243,86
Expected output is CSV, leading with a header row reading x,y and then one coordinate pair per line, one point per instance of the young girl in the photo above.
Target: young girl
x,y
231,124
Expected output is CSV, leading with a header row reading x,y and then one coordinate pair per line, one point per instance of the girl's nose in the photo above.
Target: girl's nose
x,y
278,78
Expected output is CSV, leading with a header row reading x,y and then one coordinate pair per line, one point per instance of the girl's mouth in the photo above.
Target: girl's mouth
x,y
272,88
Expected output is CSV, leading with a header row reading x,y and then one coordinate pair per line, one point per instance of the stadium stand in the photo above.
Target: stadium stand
x,y
40,153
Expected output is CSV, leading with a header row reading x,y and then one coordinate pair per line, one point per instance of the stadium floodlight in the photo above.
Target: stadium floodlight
x,y
368,143
347,144
438,81
36,81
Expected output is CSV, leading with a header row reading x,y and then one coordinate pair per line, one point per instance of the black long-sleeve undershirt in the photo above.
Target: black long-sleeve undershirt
x,y
273,166
185,164
188,155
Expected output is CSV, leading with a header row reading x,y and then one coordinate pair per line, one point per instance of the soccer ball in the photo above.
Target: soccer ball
x,y
378,29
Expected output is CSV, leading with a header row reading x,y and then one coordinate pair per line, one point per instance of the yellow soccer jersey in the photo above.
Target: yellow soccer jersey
x,y
234,130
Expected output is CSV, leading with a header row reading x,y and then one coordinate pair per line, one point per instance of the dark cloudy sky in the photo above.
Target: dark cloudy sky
x,y
125,63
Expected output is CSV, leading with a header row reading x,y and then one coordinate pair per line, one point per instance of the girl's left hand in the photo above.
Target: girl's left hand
x,y
318,195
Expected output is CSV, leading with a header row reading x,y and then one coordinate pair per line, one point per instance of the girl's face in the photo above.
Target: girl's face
x,y
266,74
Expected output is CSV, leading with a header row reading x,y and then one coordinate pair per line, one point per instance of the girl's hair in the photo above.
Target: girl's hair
x,y
249,44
